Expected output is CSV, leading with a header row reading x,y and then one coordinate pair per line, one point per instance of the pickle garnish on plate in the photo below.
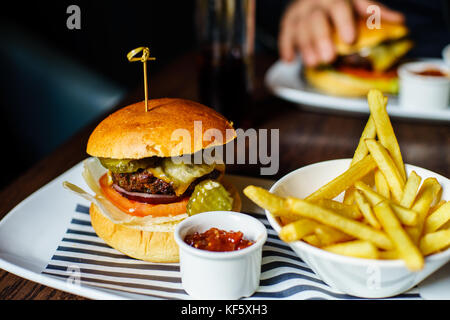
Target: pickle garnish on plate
x,y
209,195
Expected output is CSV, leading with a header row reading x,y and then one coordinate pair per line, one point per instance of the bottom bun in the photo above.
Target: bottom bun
x,y
144,245
341,84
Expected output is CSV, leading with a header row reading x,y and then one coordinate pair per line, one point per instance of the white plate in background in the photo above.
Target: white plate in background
x,y
285,81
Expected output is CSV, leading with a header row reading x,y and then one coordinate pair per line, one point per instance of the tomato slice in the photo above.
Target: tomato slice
x,y
140,209
369,74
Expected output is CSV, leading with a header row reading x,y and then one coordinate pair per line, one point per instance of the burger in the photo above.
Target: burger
x,y
369,63
142,189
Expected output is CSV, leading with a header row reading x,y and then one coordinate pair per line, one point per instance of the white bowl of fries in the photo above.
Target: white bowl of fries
x,y
370,226
361,277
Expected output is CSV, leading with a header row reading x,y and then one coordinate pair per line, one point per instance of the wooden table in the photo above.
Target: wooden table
x,y
305,138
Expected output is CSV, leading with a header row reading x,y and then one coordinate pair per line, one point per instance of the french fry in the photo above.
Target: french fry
x,y
357,248
386,164
385,132
328,235
437,218
349,195
297,230
369,132
347,210
313,240
407,217
360,152
434,208
407,250
368,179
344,181
410,190
414,234
269,201
388,255
382,185
437,199
351,227
428,193
435,241
366,210
437,206
284,220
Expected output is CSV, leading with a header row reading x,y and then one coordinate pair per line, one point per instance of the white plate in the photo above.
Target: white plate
x,y
48,239
284,80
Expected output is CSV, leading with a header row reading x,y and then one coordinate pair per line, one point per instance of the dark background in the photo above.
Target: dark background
x,y
54,81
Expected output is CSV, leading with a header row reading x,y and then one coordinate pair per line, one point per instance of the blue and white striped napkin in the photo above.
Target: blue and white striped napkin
x,y
82,256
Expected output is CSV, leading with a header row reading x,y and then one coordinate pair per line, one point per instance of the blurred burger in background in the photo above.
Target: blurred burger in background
x,y
369,63
142,190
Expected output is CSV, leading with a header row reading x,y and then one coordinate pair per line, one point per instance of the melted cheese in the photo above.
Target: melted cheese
x,y
385,55
181,175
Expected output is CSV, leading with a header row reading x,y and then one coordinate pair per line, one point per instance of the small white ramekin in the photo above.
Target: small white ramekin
x,y
221,275
423,92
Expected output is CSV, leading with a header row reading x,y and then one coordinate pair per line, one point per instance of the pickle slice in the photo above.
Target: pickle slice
x,y
127,165
209,195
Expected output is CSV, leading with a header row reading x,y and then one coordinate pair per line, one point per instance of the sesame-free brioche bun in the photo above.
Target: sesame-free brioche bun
x,y
133,133
338,83
369,37
144,245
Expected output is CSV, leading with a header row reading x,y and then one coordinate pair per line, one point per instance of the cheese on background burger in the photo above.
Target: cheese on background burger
x,y
141,193
369,63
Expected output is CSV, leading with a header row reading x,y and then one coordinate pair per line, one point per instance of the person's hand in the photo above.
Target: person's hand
x,y
306,27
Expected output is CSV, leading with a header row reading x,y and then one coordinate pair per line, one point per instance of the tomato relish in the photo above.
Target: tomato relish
x,y
218,240
431,72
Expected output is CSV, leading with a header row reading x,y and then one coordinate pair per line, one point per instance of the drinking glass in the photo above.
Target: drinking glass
x,y
226,35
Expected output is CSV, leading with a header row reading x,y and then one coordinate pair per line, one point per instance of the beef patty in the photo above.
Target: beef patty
x,y
144,181
354,60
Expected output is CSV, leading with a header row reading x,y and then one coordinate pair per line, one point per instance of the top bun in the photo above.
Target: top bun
x,y
367,38
132,133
